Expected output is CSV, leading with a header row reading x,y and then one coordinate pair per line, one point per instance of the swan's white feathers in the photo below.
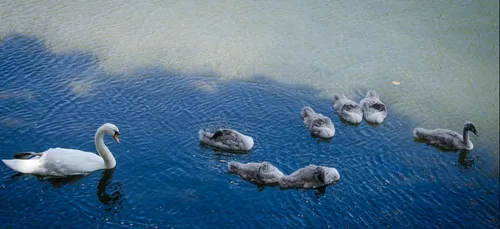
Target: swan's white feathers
x,y
70,161
58,162
63,162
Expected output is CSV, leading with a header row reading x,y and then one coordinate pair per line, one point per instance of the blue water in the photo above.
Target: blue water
x,y
165,179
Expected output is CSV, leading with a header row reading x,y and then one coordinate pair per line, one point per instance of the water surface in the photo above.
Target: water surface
x,y
165,179
444,53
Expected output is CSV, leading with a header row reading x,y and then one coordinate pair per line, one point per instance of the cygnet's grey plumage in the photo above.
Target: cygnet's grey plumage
x,y
226,139
347,109
318,124
311,176
374,110
447,139
256,172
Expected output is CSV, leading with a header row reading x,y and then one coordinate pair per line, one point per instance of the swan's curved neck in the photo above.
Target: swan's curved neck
x,y
466,139
109,159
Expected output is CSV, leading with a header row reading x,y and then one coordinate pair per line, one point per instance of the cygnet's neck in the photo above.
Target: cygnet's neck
x,y
467,142
102,149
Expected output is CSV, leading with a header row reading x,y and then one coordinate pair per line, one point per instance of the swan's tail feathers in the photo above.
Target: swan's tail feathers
x,y
204,136
26,155
352,117
326,133
22,166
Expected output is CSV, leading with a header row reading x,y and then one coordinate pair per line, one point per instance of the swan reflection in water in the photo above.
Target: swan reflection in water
x,y
319,191
112,200
464,160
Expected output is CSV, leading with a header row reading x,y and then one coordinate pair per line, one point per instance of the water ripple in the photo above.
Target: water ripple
x,y
165,178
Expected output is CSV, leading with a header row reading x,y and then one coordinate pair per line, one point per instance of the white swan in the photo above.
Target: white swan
x,y
318,124
347,109
63,162
374,110
226,139
311,176
256,172
447,139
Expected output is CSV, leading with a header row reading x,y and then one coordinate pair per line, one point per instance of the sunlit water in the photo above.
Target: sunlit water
x,y
165,179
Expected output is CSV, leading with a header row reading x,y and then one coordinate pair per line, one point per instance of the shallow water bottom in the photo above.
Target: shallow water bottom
x,y
165,178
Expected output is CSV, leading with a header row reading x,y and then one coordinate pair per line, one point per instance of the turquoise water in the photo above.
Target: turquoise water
x,y
165,179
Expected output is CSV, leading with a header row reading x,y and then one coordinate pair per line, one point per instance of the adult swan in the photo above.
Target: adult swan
x,y
63,162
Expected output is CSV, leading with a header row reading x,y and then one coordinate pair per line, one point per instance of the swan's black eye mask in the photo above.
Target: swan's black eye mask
x,y
115,136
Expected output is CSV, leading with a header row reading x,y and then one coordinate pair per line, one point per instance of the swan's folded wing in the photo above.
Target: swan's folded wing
x,y
59,161
444,138
444,133
378,107
233,144
348,107
320,121
224,135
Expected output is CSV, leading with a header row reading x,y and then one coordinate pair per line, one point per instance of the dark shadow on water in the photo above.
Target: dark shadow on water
x,y
319,191
112,200
322,140
464,160
225,152
260,187
56,182
348,123
376,125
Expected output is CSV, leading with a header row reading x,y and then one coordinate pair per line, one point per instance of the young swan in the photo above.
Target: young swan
x,y
226,139
259,173
311,176
347,109
318,124
374,110
447,139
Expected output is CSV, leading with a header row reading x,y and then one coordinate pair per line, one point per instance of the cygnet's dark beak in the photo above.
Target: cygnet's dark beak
x,y
115,136
475,132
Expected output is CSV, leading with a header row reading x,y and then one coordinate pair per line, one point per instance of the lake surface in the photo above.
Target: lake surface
x,y
162,70
444,53
165,179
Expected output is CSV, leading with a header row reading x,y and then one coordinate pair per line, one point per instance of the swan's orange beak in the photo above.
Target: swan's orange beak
x,y
115,136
